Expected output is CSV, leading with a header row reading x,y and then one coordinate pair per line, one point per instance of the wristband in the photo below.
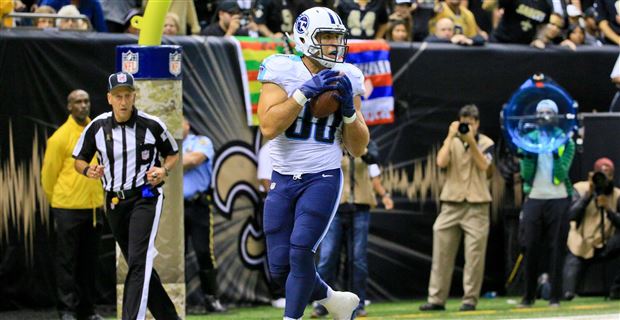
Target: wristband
x,y
85,171
350,119
299,97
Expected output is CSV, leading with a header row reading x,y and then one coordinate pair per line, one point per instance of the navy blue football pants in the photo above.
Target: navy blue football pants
x,y
298,211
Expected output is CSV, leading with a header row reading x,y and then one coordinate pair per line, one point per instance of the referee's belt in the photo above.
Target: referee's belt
x,y
124,194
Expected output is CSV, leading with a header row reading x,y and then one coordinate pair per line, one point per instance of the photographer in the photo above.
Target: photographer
x,y
229,21
594,201
465,197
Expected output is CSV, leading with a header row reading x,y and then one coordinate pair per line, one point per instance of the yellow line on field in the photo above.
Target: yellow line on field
x,y
589,307
527,310
474,313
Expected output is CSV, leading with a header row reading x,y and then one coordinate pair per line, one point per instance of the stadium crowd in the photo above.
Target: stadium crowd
x,y
569,23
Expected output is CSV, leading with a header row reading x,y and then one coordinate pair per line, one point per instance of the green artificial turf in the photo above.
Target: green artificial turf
x,y
498,308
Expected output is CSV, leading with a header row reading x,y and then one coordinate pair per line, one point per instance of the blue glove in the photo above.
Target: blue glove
x,y
319,83
346,97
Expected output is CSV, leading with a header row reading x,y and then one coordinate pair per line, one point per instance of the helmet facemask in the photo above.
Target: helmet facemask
x,y
338,48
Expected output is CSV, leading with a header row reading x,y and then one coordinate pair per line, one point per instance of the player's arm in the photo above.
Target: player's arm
x,y
277,111
355,133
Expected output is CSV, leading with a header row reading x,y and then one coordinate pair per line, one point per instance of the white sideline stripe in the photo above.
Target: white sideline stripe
x,y
151,252
333,212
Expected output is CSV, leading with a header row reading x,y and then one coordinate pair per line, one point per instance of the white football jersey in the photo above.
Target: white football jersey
x,y
309,145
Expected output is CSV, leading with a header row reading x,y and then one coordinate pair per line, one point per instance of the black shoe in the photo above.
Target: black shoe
x,y
432,307
67,316
614,295
212,304
525,304
95,317
467,307
319,311
569,296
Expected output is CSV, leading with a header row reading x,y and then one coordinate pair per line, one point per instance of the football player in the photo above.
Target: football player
x,y
307,180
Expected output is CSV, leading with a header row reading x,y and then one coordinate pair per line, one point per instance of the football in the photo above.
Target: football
x,y
324,104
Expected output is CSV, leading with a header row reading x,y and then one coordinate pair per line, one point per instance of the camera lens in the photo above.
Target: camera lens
x,y
463,128
599,180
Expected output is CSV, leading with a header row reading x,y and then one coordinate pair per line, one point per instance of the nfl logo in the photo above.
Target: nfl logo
x,y
121,78
174,63
145,155
130,62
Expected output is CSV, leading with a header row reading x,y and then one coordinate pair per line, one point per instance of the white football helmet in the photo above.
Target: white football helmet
x,y
320,20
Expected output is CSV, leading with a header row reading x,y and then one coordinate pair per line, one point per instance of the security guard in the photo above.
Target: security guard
x,y
197,168
129,144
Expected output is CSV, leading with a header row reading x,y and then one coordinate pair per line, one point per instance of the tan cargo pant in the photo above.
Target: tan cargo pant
x,y
455,219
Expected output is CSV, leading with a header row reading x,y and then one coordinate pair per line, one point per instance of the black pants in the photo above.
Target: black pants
x,y
76,259
573,265
134,222
199,228
544,229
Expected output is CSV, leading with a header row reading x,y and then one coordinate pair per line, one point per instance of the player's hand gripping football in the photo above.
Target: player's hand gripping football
x,y
346,98
321,81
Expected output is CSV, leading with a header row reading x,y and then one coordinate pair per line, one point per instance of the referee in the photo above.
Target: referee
x,y
129,144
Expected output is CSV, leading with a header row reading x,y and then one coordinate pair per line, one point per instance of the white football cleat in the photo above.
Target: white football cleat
x,y
341,304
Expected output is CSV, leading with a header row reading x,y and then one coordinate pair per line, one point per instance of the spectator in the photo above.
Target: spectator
x,y
594,221
186,11
171,24
263,173
362,179
205,10
115,12
228,21
128,27
465,200
402,12
70,24
365,19
423,11
547,186
398,31
593,33
576,37
44,23
463,19
521,21
444,33
198,156
76,207
6,7
609,21
90,8
275,17
575,16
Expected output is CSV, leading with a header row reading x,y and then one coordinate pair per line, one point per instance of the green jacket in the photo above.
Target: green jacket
x,y
562,160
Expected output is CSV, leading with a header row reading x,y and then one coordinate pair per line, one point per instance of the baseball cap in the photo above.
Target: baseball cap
x,y
598,165
120,79
547,104
573,11
229,6
591,12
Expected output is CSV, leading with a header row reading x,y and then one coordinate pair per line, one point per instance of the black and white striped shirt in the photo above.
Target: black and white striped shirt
x,y
126,150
